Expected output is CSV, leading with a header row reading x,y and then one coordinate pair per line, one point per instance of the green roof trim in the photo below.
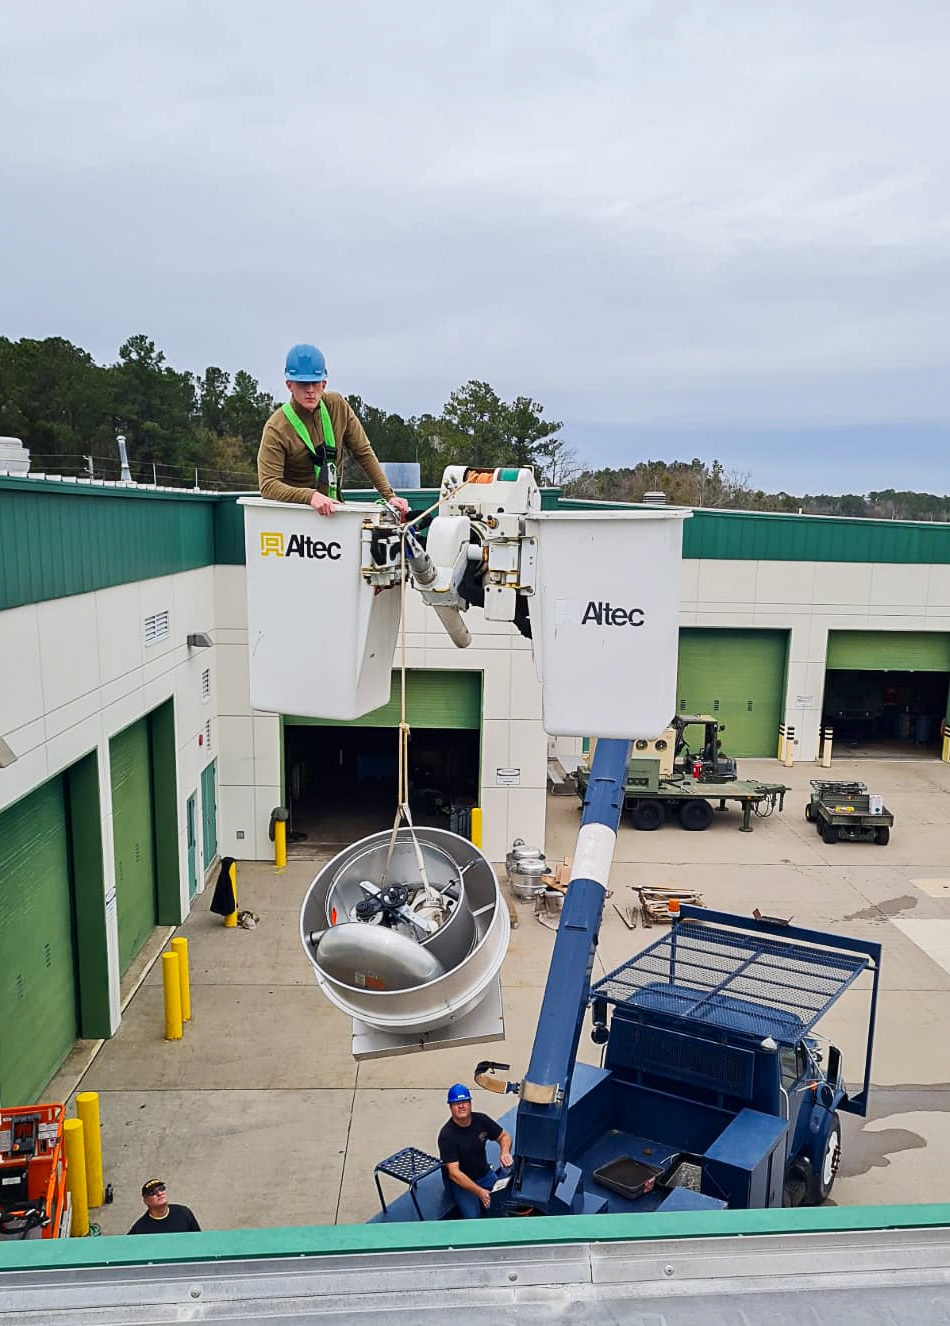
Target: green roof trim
x,y
62,537
416,1236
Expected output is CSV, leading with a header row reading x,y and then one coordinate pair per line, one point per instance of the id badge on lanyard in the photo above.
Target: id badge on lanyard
x,y
331,477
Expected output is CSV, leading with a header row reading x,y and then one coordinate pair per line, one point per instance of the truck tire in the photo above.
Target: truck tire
x,y
696,816
822,1178
647,816
882,836
808,812
829,833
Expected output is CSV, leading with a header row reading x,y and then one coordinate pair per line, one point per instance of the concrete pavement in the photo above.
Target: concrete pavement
x,y
259,1117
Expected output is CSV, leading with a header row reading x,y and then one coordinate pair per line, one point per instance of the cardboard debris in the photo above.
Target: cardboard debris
x,y
560,876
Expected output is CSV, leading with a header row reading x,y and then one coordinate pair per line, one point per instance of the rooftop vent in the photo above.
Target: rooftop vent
x,y
654,499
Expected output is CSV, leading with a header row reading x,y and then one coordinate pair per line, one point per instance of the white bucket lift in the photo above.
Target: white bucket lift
x,y
605,620
323,617
600,589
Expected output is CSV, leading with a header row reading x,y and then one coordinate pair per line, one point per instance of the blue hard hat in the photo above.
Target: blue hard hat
x,y
305,363
459,1092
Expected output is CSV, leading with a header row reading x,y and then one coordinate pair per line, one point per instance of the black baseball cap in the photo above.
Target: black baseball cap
x,y
152,1185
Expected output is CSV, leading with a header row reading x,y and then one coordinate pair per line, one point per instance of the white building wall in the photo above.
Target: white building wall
x,y
809,599
77,670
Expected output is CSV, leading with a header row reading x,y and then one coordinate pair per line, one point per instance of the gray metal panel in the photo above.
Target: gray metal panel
x,y
880,1276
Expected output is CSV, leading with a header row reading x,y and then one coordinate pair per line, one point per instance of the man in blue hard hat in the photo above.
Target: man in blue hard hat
x,y
462,1151
303,443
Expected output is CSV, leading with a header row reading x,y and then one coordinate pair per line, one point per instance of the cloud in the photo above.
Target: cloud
x,y
645,215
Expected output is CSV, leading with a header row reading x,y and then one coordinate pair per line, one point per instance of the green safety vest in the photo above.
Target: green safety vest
x,y
329,446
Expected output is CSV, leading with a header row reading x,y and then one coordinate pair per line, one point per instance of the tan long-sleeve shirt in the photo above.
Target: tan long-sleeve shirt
x,y
285,470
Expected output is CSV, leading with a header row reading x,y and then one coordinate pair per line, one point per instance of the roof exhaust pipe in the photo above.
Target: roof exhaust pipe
x,y
126,476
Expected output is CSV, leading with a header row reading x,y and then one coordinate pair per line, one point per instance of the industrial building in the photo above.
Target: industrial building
x,y
131,760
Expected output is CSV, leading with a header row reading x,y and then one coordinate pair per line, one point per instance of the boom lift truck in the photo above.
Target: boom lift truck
x,y
713,1090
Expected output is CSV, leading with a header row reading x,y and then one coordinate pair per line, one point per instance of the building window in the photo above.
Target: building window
x,y
206,685
156,628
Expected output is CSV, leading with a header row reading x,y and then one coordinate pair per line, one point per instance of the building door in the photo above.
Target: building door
x,y
887,691
192,847
209,816
341,778
38,978
737,676
134,839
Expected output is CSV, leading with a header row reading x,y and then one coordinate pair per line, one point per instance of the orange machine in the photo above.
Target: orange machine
x,y
33,1198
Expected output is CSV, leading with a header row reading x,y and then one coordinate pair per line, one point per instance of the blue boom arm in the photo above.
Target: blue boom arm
x,y
542,1178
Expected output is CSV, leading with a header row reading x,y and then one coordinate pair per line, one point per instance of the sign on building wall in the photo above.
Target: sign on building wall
x,y
507,777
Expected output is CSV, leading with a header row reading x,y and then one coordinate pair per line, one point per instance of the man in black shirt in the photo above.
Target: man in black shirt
x,y
462,1152
162,1216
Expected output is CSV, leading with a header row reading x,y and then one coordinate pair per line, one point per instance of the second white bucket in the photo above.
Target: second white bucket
x,y
605,620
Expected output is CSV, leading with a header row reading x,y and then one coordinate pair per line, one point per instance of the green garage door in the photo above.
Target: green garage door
x,y
440,699
739,676
889,651
38,1017
134,839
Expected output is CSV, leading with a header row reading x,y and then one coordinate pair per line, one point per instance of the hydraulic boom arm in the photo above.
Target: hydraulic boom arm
x,y
542,1178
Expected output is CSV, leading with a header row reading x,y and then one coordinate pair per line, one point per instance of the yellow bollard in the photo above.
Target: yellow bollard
x,y
789,759
180,946
76,1175
827,743
945,756
477,827
280,843
231,920
781,743
87,1109
171,988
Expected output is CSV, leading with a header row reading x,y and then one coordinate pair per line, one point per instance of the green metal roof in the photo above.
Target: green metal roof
x,y
61,537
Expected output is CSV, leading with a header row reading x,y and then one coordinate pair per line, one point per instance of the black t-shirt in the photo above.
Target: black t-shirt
x,y
180,1220
466,1146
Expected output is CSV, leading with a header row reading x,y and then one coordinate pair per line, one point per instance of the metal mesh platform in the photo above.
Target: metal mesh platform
x,y
730,979
408,1166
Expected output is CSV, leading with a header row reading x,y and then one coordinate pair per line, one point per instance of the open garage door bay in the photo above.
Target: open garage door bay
x,y
886,692
341,778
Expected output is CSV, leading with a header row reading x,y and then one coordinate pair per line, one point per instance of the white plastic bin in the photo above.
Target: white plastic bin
x,y
605,620
320,639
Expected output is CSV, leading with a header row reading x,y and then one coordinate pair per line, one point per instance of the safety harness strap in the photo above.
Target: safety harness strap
x,y
328,460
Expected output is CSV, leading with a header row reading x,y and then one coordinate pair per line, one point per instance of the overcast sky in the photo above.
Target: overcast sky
x,y
713,229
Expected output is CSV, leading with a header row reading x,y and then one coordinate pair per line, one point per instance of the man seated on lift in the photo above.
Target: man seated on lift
x,y
462,1152
302,446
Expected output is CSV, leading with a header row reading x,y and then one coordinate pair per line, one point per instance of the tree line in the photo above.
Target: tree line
x,y
68,411
182,426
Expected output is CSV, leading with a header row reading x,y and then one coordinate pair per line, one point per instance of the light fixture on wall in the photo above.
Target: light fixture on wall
x,y
200,640
7,756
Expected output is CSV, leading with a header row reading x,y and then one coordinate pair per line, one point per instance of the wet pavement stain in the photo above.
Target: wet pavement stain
x,y
864,1150
883,911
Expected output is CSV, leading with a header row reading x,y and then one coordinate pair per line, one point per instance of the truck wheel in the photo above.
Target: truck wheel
x,y
829,833
822,1179
647,816
882,836
808,812
696,816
